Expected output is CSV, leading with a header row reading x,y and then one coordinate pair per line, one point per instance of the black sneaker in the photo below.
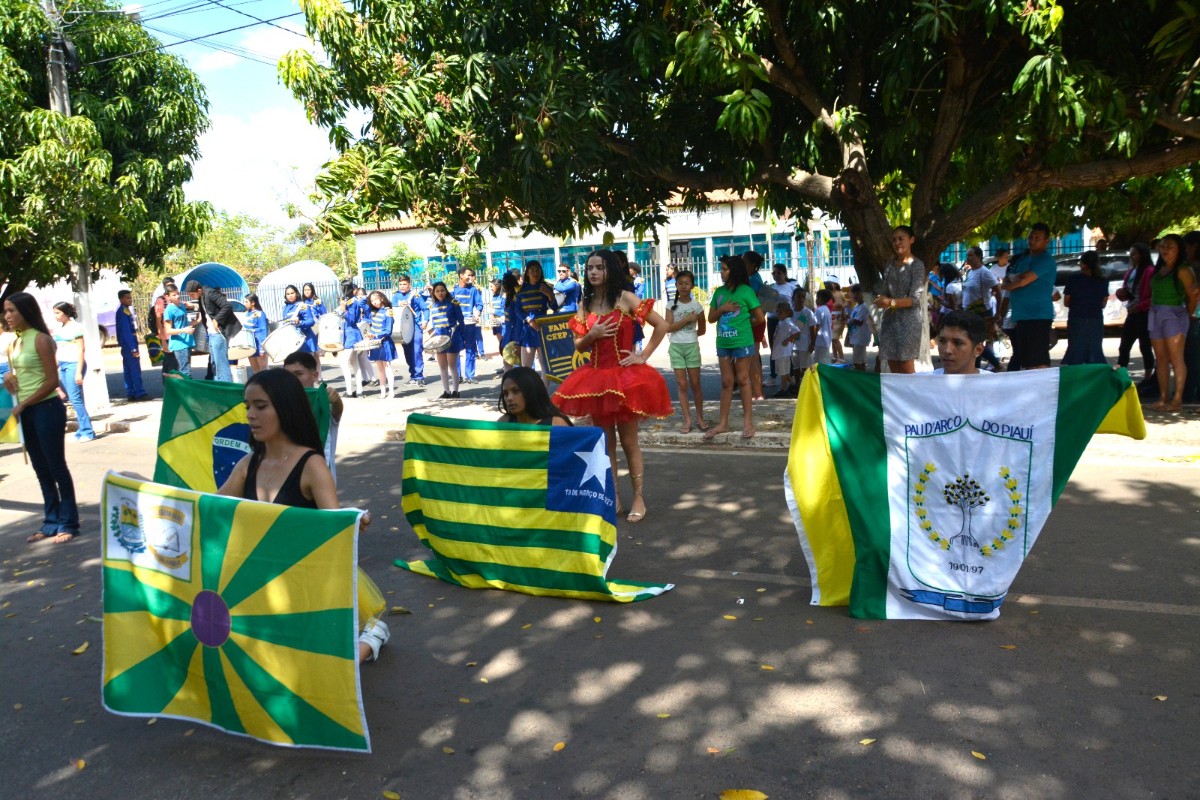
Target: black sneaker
x,y
445,396
454,396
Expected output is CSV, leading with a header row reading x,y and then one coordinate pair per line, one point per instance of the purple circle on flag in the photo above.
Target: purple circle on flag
x,y
210,619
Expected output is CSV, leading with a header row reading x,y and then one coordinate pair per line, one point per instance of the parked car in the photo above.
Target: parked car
x,y
1114,266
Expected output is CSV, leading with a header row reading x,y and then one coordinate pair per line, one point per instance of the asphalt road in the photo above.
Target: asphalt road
x,y
668,698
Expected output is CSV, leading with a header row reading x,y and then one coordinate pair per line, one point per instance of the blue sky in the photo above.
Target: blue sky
x,y
260,152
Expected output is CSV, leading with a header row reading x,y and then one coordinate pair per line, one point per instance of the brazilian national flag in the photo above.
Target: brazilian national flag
x,y
203,431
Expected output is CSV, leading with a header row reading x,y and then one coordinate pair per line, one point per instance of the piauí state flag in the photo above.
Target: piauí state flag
x,y
233,613
523,507
203,433
918,497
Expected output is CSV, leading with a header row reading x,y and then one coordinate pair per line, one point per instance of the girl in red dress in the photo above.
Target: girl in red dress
x,y
617,389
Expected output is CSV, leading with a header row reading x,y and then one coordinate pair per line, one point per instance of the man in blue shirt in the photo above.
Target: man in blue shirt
x,y
413,354
669,285
567,290
1030,284
128,341
470,301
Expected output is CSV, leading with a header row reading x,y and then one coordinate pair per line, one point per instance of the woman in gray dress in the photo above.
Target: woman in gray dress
x,y
900,294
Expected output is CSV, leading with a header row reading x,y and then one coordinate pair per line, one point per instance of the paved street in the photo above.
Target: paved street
x,y
668,698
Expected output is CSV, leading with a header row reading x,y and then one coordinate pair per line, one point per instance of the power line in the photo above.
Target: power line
x,y
193,39
251,16
222,47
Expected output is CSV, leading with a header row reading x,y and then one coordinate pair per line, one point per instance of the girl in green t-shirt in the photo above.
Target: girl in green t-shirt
x,y
734,310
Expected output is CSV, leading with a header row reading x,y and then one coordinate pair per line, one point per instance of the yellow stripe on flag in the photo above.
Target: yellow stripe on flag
x,y
251,521
1125,417
462,438
474,476
324,682
191,701
9,433
253,716
190,454
474,581
507,517
532,557
819,496
305,586
141,635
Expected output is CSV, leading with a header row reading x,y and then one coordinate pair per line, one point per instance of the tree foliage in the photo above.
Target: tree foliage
x,y
588,113
119,163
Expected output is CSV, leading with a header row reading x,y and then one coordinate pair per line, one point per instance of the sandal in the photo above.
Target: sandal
x,y
37,537
62,537
636,516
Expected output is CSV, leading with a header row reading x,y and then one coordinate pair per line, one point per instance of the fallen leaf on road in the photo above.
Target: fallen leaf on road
x,y
596,619
1033,612
808,622
759,619
397,610
463,700
189,731
1008,647
69,586
80,763
558,747
730,616
78,651
664,716
1160,697
448,751
9,616
714,750
152,720
766,666
472,663
742,794
391,795
79,721
431,605
979,755
17,706
760,590
483,680
527,626
866,741
862,629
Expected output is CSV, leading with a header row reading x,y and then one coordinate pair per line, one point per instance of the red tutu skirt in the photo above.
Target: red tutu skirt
x,y
611,395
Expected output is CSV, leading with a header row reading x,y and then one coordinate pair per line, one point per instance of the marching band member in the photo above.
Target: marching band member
x,y
446,319
354,363
535,298
260,327
384,354
296,312
413,354
308,293
470,302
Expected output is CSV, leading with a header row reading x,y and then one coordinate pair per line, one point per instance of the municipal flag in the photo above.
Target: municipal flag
x,y
918,497
523,507
233,613
203,433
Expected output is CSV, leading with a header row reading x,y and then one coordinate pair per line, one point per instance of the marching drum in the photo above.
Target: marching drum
x,y
283,341
331,333
241,345
437,344
408,324
366,345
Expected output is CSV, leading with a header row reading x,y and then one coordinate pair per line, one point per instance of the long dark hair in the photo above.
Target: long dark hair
x,y
537,400
1180,259
316,298
512,285
616,278
525,274
383,300
27,307
1143,251
737,271
433,288
287,396
292,287
252,298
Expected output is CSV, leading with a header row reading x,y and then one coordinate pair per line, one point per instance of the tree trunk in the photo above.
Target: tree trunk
x,y
862,214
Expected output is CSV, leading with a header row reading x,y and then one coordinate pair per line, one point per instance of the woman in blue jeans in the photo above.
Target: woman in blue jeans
x,y
33,379
68,340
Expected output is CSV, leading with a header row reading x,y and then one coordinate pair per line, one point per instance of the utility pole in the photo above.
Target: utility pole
x,y
95,385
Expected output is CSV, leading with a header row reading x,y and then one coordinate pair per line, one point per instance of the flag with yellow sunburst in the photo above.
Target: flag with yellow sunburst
x,y
234,613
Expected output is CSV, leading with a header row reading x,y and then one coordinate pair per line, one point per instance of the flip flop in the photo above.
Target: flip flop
x,y
58,537
37,537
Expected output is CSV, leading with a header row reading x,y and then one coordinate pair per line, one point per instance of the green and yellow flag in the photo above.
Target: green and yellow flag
x,y
203,432
232,613
523,507
919,496
10,428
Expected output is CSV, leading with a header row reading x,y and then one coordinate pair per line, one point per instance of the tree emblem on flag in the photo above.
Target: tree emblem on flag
x,y
965,494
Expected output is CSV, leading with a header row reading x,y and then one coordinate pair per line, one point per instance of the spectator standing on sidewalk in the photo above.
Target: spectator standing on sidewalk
x,y
131,362
1030,284
1135,291
222,324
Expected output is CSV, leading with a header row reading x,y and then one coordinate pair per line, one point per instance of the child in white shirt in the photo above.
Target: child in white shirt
x,y
858,329
824,343
786,333
802,348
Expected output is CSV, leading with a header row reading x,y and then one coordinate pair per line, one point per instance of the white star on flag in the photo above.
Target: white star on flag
x,y
597,463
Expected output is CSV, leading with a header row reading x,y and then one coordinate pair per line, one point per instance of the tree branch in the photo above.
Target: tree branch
x,y
1183,126
989,199
789,75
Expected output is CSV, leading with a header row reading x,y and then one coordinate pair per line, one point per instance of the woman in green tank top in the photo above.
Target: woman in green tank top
x,y
1173,296
34,380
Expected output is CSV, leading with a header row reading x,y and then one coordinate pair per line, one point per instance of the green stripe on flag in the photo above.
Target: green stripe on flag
x,y
571,541
854,412
299,719
148,686
124,592
476,495
523,576
220,700
468,457
287,543
325,632
1086,393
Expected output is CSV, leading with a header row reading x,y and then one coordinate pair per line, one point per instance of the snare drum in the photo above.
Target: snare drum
x,y
366,345
283,341
437,344
331,333
241,345
408,324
